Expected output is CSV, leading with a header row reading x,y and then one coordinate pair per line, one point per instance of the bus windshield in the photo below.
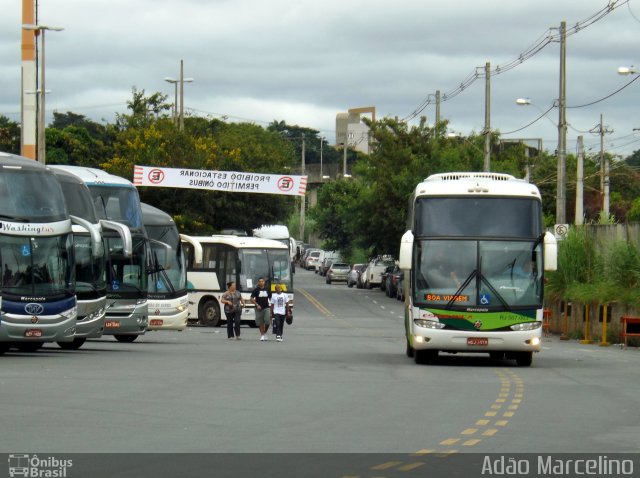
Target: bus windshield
x,y
169,272
492,275
121,204
126,275
30,196
37,266
89,268
272,264
473,216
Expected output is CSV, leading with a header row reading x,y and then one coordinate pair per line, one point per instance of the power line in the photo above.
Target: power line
x,y
548,37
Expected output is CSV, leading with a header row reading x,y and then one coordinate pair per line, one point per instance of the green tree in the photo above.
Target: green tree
x,y
148,139
9,135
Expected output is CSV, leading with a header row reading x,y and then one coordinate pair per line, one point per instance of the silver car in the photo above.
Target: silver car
x,y
338,271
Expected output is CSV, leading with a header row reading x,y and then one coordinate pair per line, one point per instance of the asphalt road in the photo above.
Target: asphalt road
x,y
339,383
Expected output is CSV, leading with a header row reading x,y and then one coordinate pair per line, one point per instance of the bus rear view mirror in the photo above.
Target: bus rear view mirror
x,y
550,252
406,251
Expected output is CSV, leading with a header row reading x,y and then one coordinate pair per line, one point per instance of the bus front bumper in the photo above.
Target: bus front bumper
x,y
46,328
476,342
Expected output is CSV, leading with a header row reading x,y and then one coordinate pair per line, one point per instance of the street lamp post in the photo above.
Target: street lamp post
x,y
180,81
40,29
168,79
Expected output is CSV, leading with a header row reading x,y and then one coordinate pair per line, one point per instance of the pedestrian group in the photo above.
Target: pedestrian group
x,y
268,306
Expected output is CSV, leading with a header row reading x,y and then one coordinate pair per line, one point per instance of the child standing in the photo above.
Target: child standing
x,y
279,304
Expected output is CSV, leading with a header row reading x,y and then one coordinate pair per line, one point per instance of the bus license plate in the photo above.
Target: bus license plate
x,y
477,341
156,322
33,333
112,324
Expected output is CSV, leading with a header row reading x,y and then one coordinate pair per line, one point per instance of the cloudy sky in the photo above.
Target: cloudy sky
x,y
303,61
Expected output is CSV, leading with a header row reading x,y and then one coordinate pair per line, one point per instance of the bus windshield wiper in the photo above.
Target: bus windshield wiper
x,y
467,281
504,303
14,218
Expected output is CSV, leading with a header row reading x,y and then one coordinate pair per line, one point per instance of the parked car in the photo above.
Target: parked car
x,y
354,274
312,260
400,286
384,278
329,258
391,288
338,272
375,268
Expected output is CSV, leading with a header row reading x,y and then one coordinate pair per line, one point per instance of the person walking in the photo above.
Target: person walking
x,y
261,297
233,304
279,305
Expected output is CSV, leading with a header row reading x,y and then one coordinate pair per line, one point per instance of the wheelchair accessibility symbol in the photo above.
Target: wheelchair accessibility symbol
x,y
485,299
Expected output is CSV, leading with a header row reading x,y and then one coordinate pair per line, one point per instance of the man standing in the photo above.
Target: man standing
x,y
261,299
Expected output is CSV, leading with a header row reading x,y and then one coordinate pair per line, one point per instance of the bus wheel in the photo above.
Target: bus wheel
x,y
75,345
28,346
128,338
410,351
4,347
524,359
210,314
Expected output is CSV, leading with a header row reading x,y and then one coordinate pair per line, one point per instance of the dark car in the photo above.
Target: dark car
x,y
392,282
385,277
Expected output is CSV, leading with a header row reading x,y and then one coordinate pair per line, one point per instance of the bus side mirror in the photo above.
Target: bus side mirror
x,y
550,252
406,251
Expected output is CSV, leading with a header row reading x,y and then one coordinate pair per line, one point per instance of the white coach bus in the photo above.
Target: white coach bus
x,y
167,300
127,264
212,261
37,282
474,257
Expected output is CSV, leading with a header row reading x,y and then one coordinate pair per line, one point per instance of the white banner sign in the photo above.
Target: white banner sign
x,y
220,180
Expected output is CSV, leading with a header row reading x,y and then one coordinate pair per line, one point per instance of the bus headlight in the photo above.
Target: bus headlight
x,y
526,326
429,324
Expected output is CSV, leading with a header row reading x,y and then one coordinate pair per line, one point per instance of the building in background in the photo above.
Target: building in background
x,y
351,130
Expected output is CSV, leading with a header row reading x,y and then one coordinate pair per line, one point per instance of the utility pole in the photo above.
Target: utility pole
x,y
28,103
561,200
487,117
601,130
437,107
579,219
303,197
181,126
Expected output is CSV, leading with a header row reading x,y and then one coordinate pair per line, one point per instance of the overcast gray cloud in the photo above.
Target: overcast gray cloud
x,y
304,61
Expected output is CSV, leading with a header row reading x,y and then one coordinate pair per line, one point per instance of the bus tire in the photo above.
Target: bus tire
x,y
524,359
210,314
75,345
410,351
126,338
328,281
28,346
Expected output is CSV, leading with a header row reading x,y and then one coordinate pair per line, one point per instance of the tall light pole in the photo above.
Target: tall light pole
x,y
178,118
175,82
39,30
